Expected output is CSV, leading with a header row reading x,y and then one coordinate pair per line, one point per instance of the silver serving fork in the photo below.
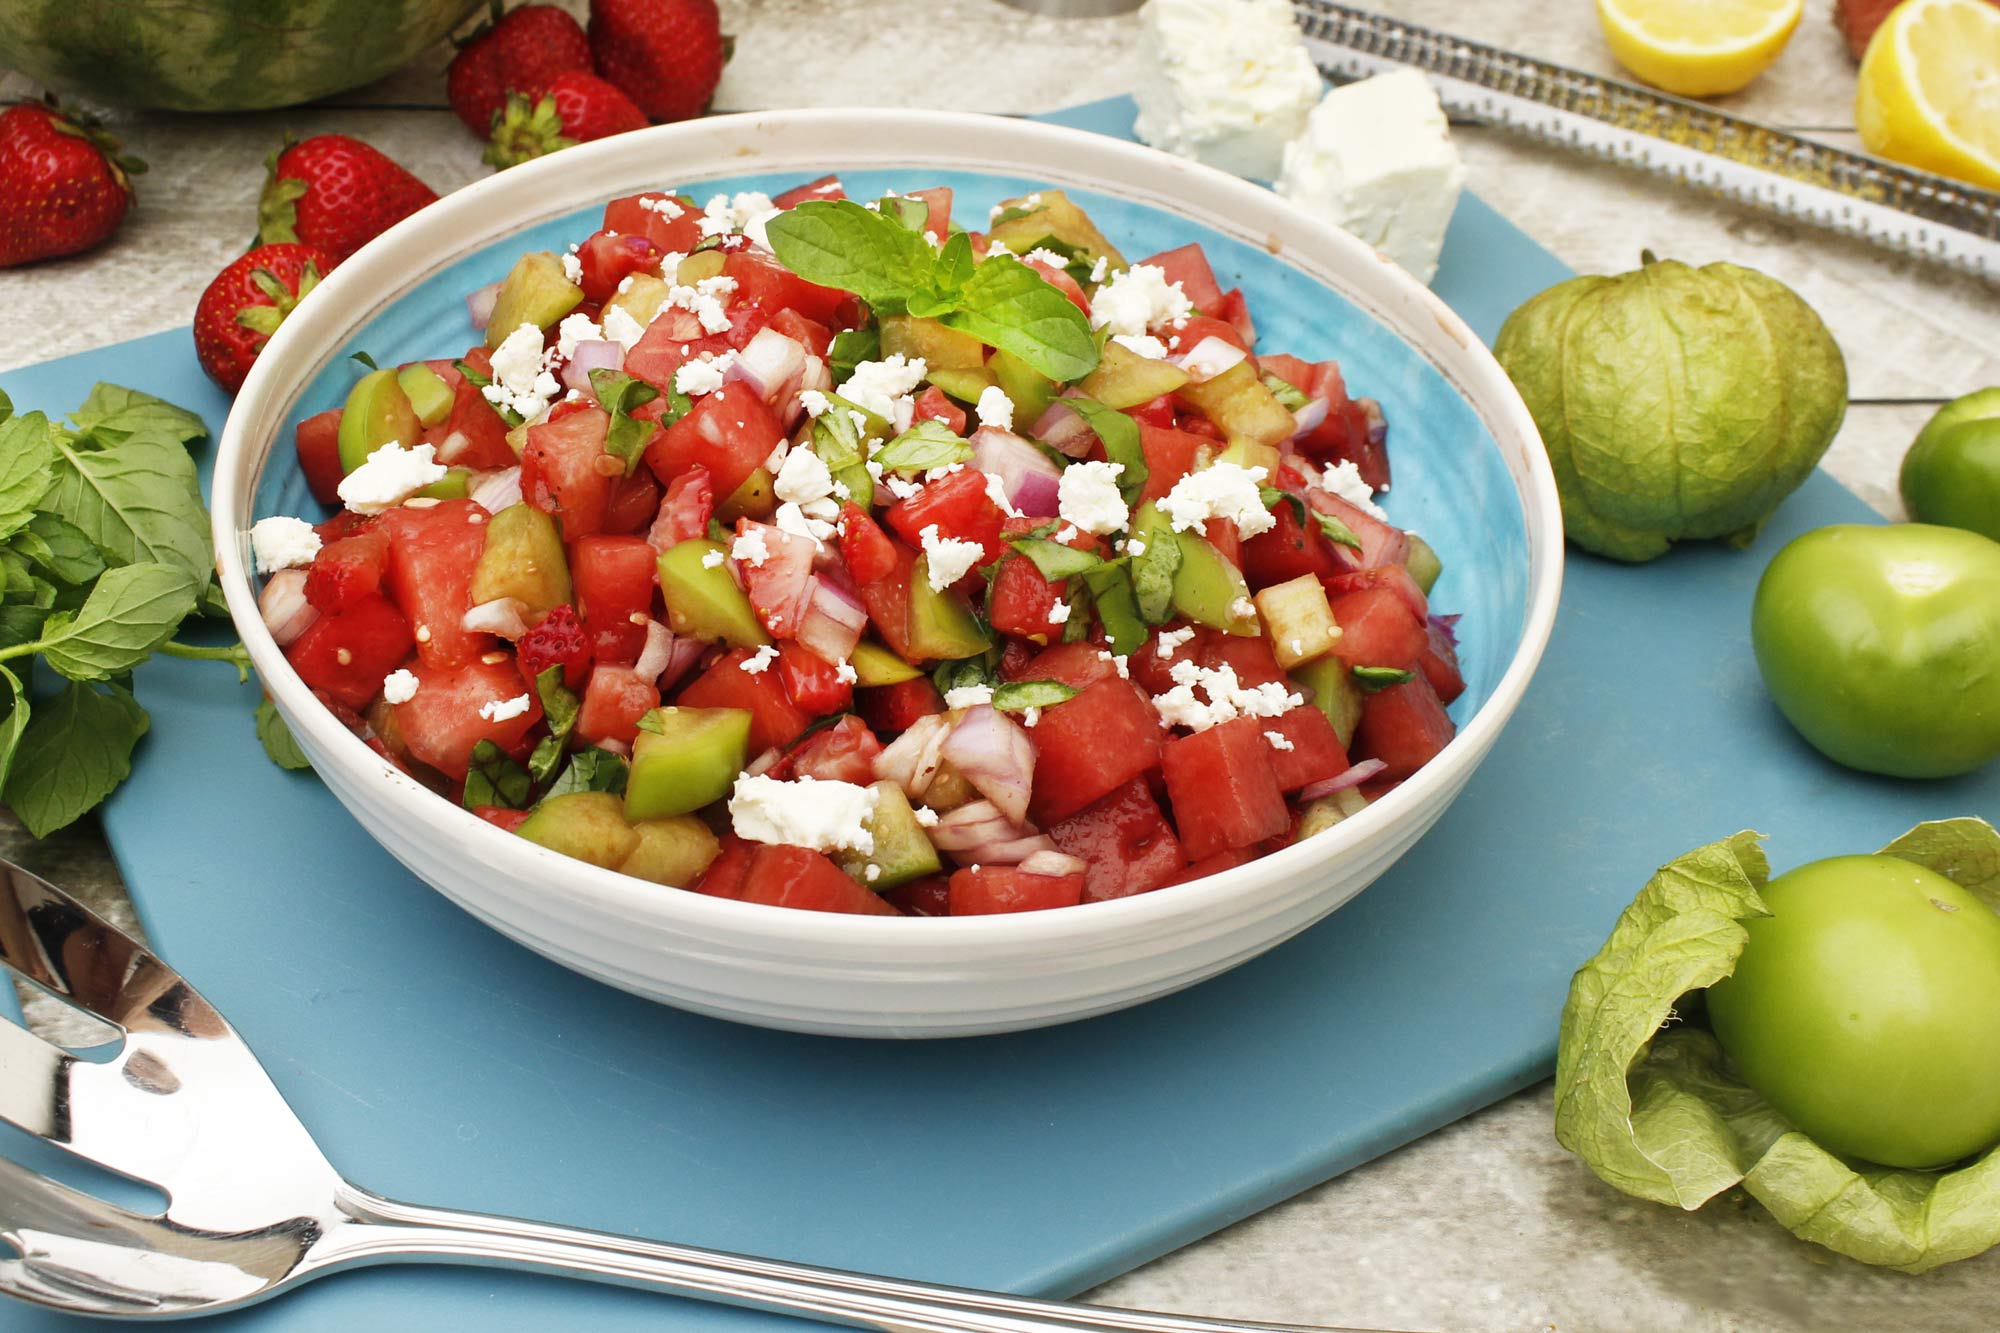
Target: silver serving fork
x,y
255,1208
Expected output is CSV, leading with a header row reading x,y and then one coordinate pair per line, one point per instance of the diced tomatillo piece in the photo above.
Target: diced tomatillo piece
x,y
523,559
903,851
691,761
533,292
588,825
703,601
675,850
377,412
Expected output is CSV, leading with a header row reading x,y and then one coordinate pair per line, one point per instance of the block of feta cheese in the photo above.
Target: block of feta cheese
x,y
1377,159
1226,82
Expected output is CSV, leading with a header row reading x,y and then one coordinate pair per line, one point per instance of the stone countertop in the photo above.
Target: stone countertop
x,y
1486,1224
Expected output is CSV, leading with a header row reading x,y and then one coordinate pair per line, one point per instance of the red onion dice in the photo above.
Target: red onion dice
x,y
589,356
994,754
1209,358
979,834
1028,476
495,491
1063,429
833,621
479,304
1353,777
1054,863
287,613
771,364
505,616
911,760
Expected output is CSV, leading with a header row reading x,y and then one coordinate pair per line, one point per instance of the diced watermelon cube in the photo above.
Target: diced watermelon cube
x,y
1224,790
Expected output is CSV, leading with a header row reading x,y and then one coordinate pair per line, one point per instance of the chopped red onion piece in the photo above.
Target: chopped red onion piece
x,y
1309,418
685,654
623,749
911,760
589,356
833,621
505,616
764,762
495,491
1053,863
979,834
479,304
1027,475
658,652
994,754
771,364
1353,777
287,613
1063,428
451,446
1209,358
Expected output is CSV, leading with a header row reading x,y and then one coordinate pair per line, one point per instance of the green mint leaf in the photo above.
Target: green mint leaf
x,y
131,611
364,359
1008,305
20,622
73,751
1017,695
6,406
495,779
1373,678
1120,435
138,503
1153,571
60,550
113,414
967,671
559,704
1336,531
1273,497
277,739
1055,560
619,394
650,721
472,373
27,453
1117,608
13,721
838,243
1015,214
592,770
850,349
1283,390
927,444
955,264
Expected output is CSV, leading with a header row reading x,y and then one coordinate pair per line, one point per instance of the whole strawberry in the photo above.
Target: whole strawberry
x,y
243,307
575,109
519,52
666,55
63,186
335,193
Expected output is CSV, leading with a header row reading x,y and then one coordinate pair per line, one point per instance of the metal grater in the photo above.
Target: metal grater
x,y
1851,193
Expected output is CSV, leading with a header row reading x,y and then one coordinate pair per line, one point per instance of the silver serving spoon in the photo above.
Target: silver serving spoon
x,y
257,1209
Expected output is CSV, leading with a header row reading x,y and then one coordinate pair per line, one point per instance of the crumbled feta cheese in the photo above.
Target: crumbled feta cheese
x,y
281,542
713,560
793,519
1226,82
748,212
1377,159
846,674
705,374
1220,490
805,812
1145,344
1030,715
1059,613
995,408
573,267
1227,697
706,300
523,378
665,205
1039,255
1135,546
621,328
1137,299
968,696
749,547
760,661
996,491
1119,664
1172,639
1344,480
1100,267
949,558
803,479
1087,497
814,402
399,686
899,488
504,710
997,247
391,475
576,329
873,872
927,816
1066,533
884,388
1243,608
1279,740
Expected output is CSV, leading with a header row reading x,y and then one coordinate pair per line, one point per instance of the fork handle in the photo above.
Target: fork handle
x,y
383,1231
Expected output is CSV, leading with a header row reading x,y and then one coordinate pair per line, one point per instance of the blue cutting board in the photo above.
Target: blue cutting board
x,y
437,1061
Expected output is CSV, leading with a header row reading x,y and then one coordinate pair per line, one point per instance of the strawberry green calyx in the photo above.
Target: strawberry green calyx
x,y
265,319
277,210
82,125
525,130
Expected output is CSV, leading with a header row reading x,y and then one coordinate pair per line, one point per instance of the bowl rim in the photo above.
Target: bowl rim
x,y
273,385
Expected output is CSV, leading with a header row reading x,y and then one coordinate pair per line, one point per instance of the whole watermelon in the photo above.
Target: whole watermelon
x,y
218,55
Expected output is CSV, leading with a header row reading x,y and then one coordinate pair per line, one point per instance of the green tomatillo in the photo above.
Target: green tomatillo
x,y
1881,644
1952,473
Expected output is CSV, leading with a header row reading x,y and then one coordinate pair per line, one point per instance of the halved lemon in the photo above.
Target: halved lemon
x,y
1930,89
1698,48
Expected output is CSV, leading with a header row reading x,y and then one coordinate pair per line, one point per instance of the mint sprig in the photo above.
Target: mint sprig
x,y
999,300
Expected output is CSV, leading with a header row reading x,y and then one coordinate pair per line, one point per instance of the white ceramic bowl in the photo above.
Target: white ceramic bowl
x,y
870,975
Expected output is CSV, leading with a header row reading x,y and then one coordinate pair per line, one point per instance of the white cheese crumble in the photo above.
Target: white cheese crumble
x,y
1136,299
805,812
995,408
705,374
1279,740
1087,497
1220,490
927,816
713,560
1030,715
1172,639
1059,613
846,674
707,299
814,402
523,379
1227,698
794,519
884,388
391,475
1227,82
749,547
760,661
968,696
573,330
573,267
748,212
1243,608
1100,267
621,328
282,542
1377,159
665,205
503,710
949,559
1145,344
399,686
996,491
803,479
1039,255
1344,480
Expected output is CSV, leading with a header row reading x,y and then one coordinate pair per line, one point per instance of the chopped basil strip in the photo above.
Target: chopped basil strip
x,y
1372,679
1153,571
1120,435
1283,390
1055,560
1336,531
495,779
1117,608
1017,695
619,394
592,770
927,444
851,348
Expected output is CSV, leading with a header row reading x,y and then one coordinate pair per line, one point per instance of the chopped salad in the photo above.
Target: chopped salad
x,y
827,554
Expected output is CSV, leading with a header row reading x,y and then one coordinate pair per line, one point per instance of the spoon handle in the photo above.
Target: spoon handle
x,y
382,1231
